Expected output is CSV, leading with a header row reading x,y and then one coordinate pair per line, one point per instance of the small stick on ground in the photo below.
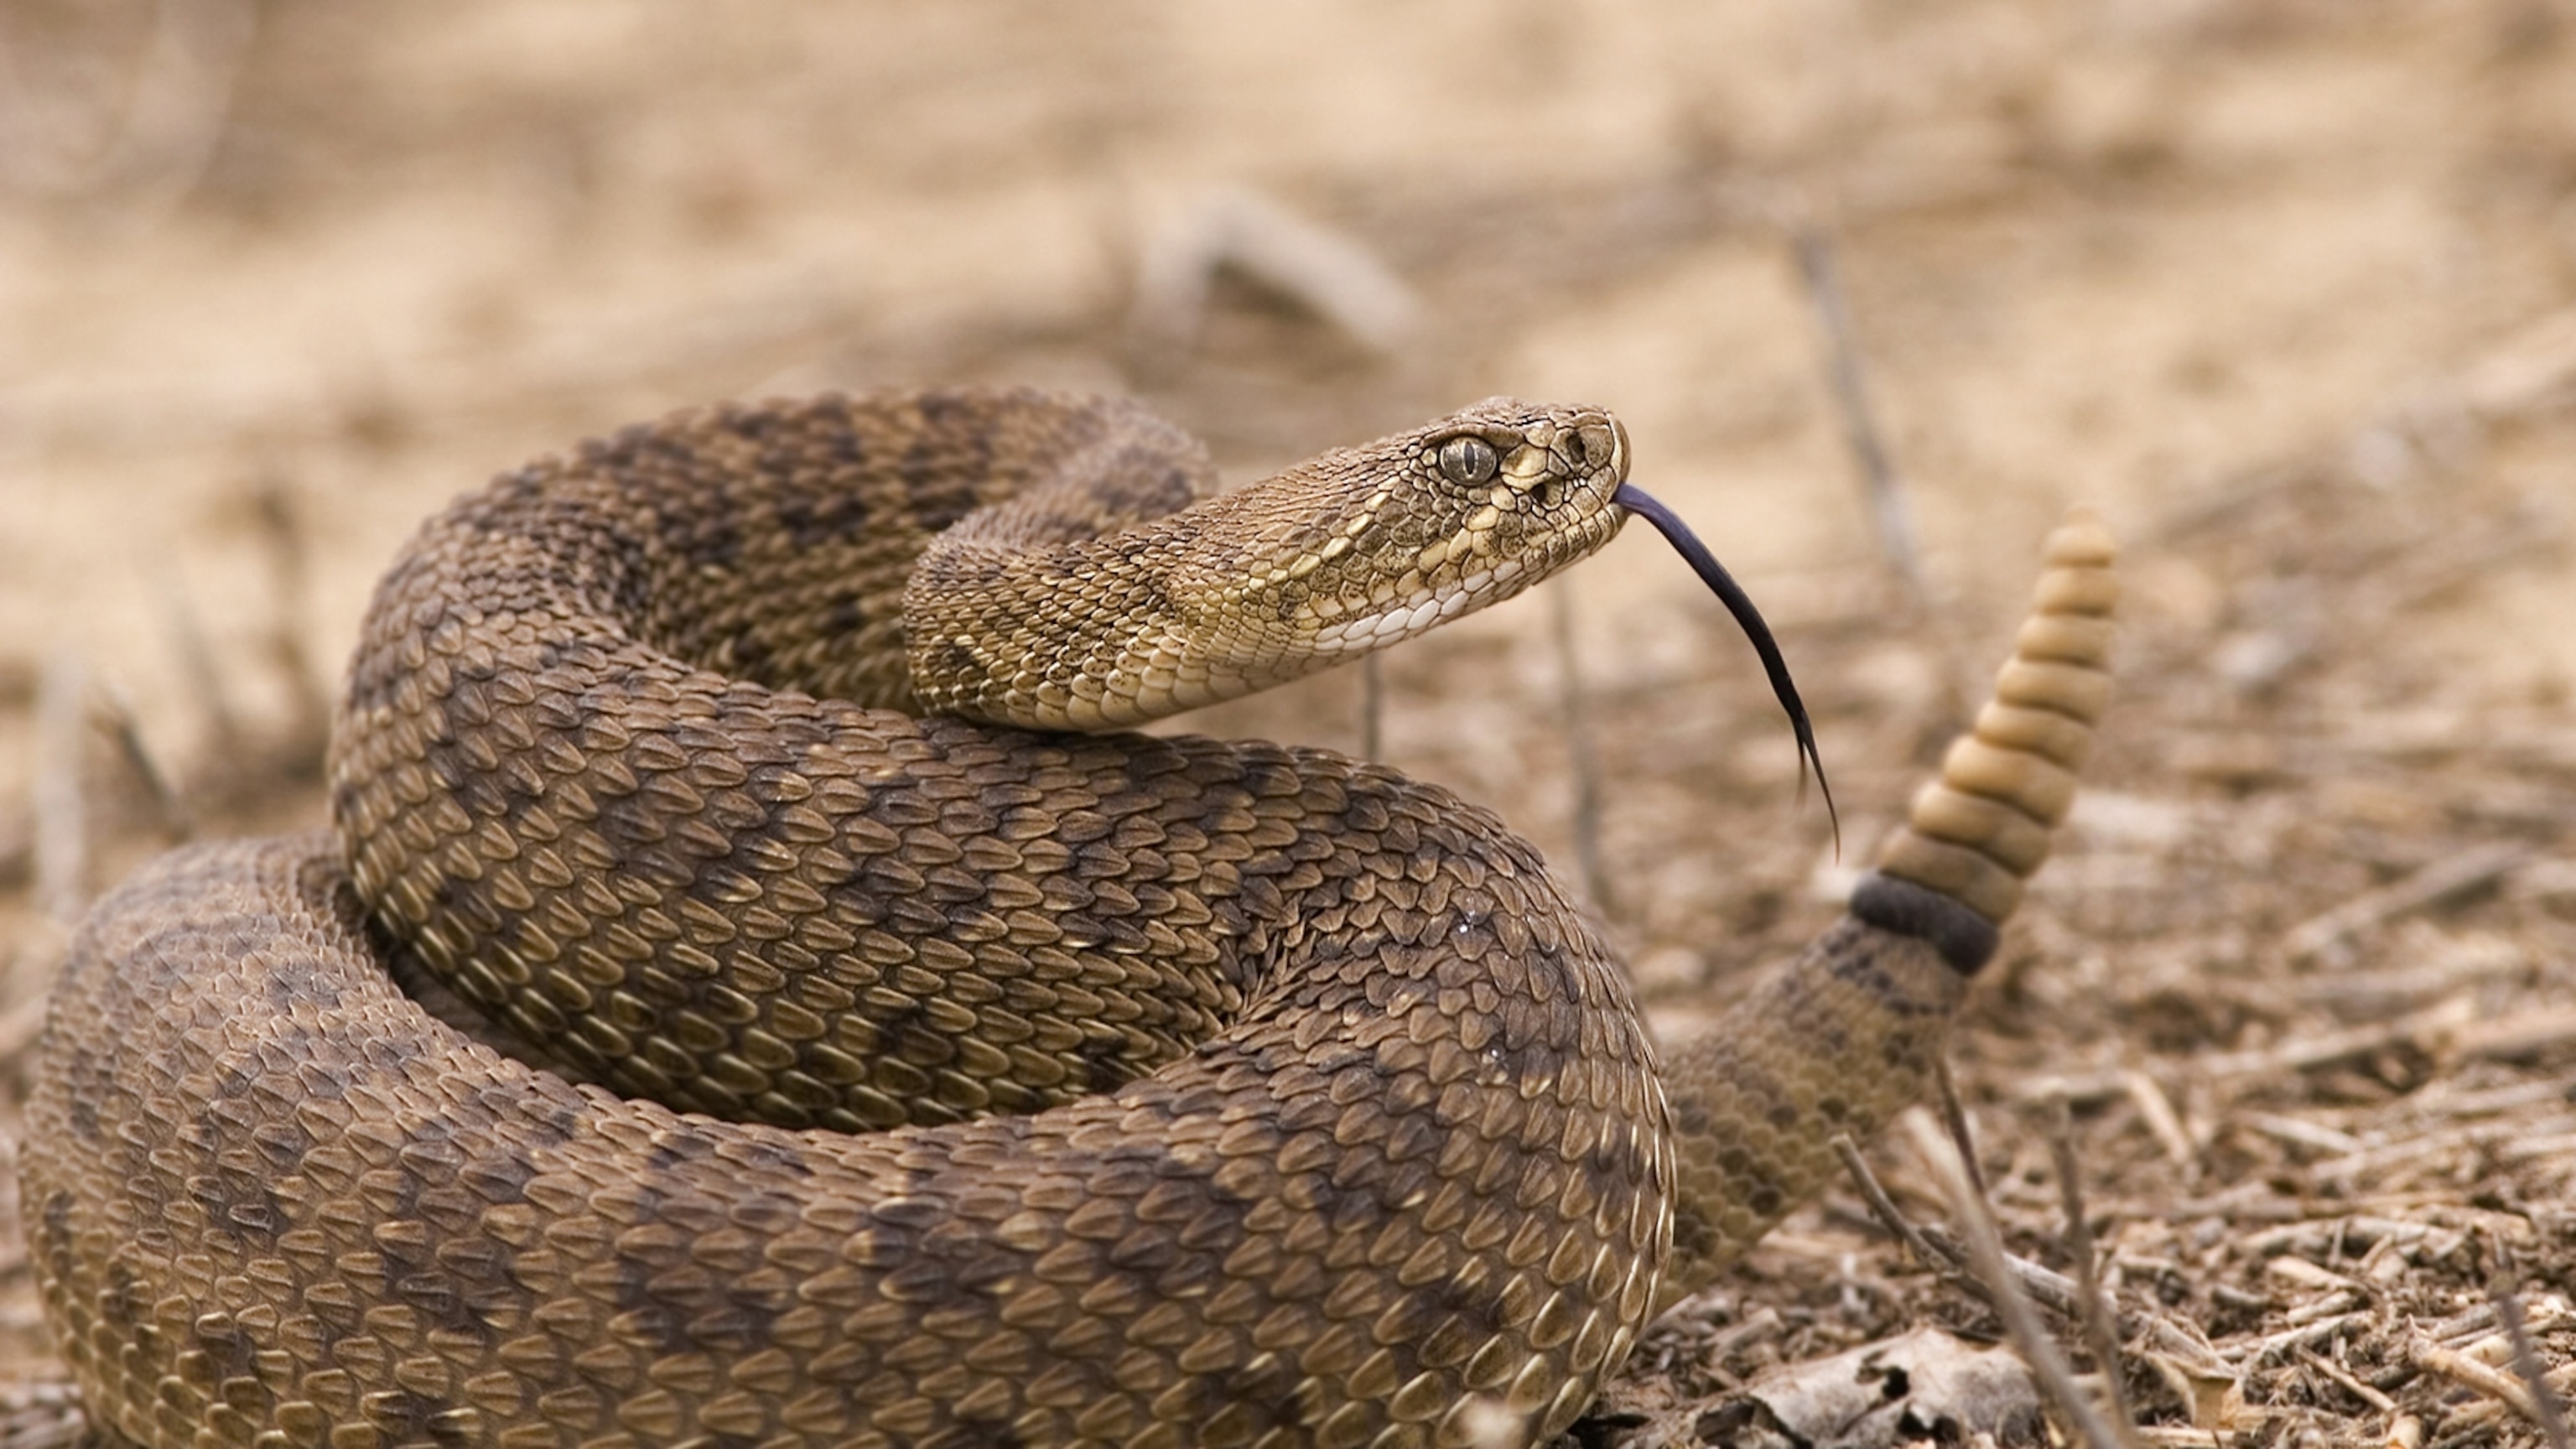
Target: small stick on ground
x,y
282,530
2446,1028
205,683
178,823
1889,506
2101,1322
60,799
2077,1411
2254,1353
1330,273
2470,1374
1954,1118
1882,1207
2344,1378
2526,1360
2157,1110
1935,1250
1583,760
2448,876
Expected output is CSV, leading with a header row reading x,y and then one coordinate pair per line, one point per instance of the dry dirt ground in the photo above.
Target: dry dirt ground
x,y
2288,287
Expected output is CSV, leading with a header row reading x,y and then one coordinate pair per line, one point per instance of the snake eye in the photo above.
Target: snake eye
x,y
1467,460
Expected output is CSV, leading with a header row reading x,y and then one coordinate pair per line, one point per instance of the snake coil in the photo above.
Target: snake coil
x,y
1105,1090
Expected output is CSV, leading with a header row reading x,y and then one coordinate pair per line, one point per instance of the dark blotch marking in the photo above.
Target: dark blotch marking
x,y
1481,1312
1762,1194
238,1200
499,795
1694,1236
127,1303
409,1418
678,1145
89,1085
746,656
1965,939
55,1238
226,1346
908,1036
1268,1394
848,449
812,522
941,470
939,497
710,541
1105,1065
1151,596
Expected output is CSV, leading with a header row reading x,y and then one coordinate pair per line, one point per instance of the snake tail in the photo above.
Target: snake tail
x,y
1851,1031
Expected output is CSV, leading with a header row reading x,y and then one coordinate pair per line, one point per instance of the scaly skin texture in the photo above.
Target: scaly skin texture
x,y
1326,1118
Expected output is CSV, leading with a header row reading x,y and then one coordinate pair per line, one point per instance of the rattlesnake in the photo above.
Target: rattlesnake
x,y
1093,1089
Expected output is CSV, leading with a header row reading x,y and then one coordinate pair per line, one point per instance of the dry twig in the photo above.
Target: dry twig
x,y
1986,1257
1320,268
2343,1379
1583,758
2101,1322
2450,876
282,533
1889,506
61,798
178,823
2526,1362
1937,1257
1954,1120
2470,1374
224,735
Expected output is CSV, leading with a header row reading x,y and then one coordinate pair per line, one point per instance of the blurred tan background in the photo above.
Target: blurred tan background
x,y
2105,249
2288,287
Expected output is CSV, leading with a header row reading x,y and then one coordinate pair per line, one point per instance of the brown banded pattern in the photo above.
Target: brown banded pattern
x,y
1086,1089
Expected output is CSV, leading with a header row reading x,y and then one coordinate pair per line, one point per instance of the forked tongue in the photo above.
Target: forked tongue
x,y
1730,593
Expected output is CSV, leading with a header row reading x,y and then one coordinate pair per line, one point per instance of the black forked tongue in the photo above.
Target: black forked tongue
x,y
1739,603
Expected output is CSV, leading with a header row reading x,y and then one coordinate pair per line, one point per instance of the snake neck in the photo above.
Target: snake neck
x,y
772,543
1017,617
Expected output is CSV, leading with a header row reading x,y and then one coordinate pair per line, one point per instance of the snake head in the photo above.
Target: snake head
x,y
1393,537
1350,551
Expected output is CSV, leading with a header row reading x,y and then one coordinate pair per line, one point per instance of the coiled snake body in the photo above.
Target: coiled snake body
x,y
1086,1089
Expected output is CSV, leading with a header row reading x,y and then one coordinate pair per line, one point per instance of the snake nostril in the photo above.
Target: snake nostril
x,y
1600,445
